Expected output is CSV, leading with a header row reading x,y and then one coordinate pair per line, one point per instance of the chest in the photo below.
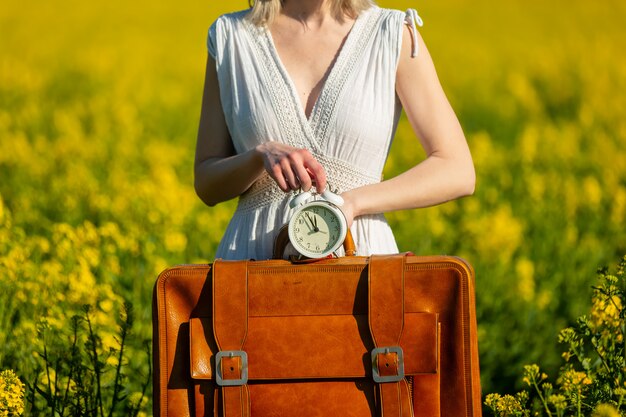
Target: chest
x,y
308,56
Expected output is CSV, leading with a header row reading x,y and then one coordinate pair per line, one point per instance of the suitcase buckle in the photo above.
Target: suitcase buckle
x,y
385,351
219,378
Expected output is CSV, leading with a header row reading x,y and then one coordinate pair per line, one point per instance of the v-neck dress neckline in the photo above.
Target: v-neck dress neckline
x,y
324,104
341,51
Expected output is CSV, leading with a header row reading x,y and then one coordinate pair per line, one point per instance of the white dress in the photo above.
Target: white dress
x,y
349,131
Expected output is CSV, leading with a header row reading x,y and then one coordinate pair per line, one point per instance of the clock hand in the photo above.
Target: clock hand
x,y
315,224
312,227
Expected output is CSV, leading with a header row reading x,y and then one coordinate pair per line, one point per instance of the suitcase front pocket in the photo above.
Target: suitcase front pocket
x,y
295,356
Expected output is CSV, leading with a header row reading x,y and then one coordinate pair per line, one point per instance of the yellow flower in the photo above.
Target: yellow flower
x,y
1,210
531,374
572,380
558,401
497,233
11,394
605,410
137,399
175,242
618,206
606,312
592,192
525,270
506,405
491,400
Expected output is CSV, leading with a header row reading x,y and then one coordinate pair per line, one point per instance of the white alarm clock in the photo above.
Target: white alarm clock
x,y
317,228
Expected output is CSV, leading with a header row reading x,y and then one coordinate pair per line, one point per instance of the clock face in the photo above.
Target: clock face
x,y
317,229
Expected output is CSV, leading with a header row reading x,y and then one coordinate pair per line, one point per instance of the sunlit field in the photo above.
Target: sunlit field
x,y
99,106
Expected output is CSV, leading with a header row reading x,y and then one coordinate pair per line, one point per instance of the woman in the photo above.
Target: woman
x,y
307,93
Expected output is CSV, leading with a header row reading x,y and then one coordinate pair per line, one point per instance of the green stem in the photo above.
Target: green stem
x,y
57,372
120,357
45,358
96,365
619,314
543,401
606,366
71,366
135,411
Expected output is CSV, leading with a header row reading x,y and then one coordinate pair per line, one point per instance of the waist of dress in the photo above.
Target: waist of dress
x,y
340,177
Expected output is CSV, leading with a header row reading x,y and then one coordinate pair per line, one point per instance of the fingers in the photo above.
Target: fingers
x,y
276,172
304,179
290,175
293,168
317,173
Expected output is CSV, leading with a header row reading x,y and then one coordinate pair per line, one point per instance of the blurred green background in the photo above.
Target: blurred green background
x,y
99,105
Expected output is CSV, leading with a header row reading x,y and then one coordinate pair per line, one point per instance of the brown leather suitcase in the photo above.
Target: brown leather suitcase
x,y
354,336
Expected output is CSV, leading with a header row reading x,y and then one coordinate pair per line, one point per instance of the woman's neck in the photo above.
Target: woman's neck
x,y
308,11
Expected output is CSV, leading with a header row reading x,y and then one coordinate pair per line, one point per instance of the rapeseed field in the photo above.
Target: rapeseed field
x,y
99,106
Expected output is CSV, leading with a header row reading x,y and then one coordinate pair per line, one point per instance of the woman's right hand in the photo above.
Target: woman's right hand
x,y
292,168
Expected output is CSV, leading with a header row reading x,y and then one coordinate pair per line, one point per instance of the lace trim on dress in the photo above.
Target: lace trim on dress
x,y
340,175
355,45
343,176
287,116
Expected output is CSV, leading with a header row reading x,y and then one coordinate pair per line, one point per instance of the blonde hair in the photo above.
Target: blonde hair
x,y
263,12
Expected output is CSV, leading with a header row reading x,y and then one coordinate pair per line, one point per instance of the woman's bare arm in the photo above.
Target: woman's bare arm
x,y
447,172
221,174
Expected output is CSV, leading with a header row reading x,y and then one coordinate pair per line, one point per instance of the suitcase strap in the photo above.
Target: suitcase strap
x,y
386,322
230,328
